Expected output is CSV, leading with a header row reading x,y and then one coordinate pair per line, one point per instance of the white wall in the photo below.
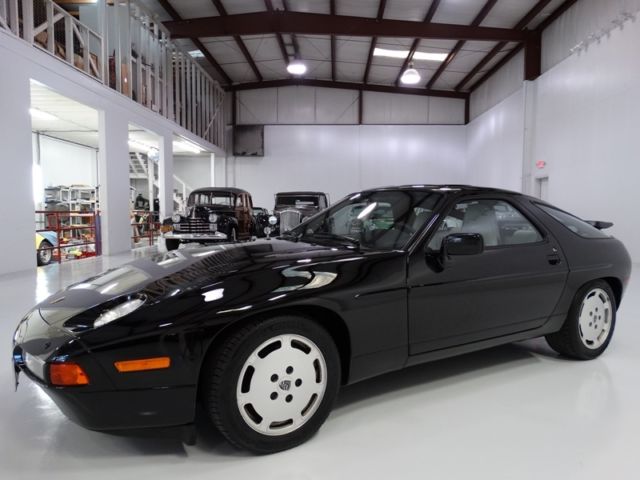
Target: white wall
x,y
582,119
194,170
64,163
495,143
342,159
499,86
328,106
587,124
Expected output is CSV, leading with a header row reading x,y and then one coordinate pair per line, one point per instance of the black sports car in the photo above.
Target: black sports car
x,y
265,332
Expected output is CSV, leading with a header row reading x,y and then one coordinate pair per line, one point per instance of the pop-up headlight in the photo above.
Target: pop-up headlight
x,y
118,311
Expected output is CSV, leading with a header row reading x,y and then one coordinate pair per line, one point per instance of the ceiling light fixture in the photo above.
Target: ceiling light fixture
x,y
40,115
410,76
186,145
296,67
196,54
429,56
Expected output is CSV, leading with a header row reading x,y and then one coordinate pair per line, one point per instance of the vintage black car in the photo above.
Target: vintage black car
x,y
291,208
213,215
264,333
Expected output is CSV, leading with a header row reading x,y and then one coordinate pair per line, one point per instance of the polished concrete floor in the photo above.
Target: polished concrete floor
x,y
514,412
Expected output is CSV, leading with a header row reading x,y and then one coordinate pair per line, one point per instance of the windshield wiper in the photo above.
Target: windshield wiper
x,y
334,236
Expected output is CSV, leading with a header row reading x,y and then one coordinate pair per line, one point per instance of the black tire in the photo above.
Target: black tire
x,y
224,365
568,340
41,255
172,244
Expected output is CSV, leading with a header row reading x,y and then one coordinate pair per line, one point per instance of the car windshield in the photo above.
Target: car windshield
x,y
211,198
381,220
298,200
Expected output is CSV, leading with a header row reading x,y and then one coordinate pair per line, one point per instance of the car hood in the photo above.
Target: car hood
x,y
177,272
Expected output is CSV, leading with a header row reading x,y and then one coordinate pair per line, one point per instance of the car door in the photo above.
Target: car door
x,y
512,286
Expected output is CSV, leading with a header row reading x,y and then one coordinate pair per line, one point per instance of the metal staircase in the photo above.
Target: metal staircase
x,y
139,169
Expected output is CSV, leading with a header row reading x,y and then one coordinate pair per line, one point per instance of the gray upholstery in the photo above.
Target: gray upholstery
x,y
480,218
524,236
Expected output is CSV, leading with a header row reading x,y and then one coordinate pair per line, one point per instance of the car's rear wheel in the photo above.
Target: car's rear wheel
x,y
271,384
172,244
587,331
45,254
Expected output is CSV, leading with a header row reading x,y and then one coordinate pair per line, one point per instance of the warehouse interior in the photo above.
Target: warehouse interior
x,y
115,112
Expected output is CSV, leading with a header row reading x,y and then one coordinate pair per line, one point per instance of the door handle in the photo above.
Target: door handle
x,y
554,259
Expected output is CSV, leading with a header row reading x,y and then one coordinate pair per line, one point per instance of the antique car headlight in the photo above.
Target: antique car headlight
x,y
117,312
176,218
213,218
273,220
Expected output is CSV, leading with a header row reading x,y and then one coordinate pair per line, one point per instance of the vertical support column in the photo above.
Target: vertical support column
x,y
467,109
16,195
165,175
360,106
529,89
533,56
212,169
113,168
151,176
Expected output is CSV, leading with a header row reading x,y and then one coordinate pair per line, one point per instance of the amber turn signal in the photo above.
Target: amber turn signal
x,y
67,374
166,228
156,363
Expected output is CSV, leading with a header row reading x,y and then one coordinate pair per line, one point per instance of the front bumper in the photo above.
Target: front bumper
x,y
196,237
101,405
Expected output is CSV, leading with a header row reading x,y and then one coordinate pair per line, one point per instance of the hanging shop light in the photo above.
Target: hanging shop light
x,y
410,76
296,67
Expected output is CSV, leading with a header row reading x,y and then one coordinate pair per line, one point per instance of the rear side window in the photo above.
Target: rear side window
x,y
577,226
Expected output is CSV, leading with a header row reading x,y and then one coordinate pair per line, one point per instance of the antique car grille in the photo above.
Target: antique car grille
x,y
289,219
193,225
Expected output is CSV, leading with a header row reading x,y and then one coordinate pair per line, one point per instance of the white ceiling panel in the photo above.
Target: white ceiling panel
x,y
224,50
234,7
357,8
192,8
314,47
414,10
548,10
507,13
448,80
350,71
262,47
459,12
307,6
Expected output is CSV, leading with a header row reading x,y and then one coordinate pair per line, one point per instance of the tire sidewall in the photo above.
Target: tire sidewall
x,y
574,313
226,399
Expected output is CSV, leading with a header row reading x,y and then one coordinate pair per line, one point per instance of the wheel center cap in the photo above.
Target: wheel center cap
x,y
285,385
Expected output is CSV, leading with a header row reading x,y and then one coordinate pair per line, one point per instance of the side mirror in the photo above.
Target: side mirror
x,y
600,225
463,244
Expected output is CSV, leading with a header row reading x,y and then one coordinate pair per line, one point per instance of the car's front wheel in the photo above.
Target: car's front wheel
x,y
271,384
588,328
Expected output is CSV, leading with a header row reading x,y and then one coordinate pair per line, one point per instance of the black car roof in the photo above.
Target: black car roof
x,y
447,188
233,190
301,193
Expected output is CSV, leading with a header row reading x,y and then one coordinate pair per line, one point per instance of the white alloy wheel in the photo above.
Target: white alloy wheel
x,y
595,318
281,384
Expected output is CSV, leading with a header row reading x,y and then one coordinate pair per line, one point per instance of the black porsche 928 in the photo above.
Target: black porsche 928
x,y
264,333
